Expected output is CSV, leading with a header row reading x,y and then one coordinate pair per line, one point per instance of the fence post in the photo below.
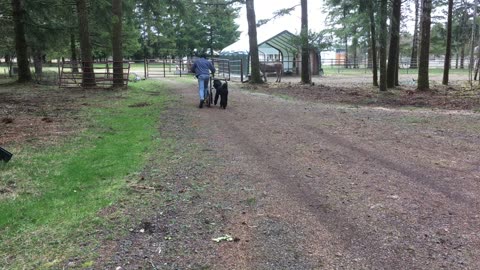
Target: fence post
x,y
10,67
60,75
229,71
128,74
213,63
145,68
164,74
365,62
241,70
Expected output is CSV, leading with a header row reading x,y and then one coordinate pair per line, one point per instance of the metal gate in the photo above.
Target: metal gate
x,y
71,75
162,68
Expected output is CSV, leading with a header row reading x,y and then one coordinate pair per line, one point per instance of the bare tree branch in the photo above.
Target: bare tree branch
x,y
277,14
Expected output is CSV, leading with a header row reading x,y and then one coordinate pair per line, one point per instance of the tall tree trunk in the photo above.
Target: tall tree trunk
x,y
456,59
373,43
397,68
394,43
473,40
423,59
73,52
24,74
477,53
462,57
369,52
10,68
346,52
448,53
305,48
88,74
383,45
477,57
252,37
38,61
345,39
211,40
354,52
414,56
463,33
8,61
117,43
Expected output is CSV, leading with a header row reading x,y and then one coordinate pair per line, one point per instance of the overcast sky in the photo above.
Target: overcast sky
x,y
316,17
265,8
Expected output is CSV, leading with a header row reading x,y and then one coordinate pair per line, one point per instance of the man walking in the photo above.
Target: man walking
x,y
202,68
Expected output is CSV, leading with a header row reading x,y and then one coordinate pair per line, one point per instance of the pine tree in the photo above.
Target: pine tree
x,y
18,9
448,52
393,52
383,45
252,35
373,42
88,74
305,48
414,55
117,43
423,59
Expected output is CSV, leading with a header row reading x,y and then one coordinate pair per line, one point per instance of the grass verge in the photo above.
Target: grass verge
x,y
62,189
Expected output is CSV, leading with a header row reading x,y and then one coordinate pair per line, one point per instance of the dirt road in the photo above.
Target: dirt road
x,y
306,185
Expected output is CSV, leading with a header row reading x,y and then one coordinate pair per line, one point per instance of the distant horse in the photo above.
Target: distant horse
x,y
270,67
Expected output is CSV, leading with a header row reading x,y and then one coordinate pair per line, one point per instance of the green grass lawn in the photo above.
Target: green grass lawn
x,y
62,189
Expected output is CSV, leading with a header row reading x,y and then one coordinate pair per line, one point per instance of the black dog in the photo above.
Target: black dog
x,y
222,91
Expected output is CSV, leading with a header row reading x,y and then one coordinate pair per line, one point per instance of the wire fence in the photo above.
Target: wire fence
x,y
405,63
68,74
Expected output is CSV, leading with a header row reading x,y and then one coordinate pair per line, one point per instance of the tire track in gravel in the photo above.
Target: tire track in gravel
x,y
416,174
356,206
321,210
325,214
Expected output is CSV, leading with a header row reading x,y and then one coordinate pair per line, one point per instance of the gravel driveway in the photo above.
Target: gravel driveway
x,y
307,185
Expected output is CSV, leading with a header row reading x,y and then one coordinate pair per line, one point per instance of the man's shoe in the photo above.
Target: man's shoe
x,y
201,104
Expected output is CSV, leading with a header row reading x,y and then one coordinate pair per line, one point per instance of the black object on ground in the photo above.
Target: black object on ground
x,y
5,155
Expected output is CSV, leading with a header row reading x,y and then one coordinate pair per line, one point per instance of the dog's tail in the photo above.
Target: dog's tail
x,y
226,102
216,97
